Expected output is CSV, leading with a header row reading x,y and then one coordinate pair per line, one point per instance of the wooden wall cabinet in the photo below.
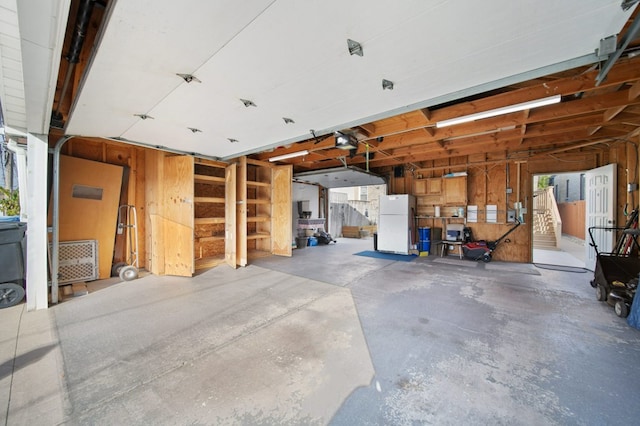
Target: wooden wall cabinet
x,y
434,186
447,192
455,190
428,186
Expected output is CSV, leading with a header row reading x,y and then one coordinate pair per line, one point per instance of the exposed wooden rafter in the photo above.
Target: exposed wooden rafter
x,y
587,113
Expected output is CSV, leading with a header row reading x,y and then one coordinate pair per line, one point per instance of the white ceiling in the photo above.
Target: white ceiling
x,y
290,58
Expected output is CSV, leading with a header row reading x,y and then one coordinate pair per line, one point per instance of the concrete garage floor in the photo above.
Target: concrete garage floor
x,y
327,338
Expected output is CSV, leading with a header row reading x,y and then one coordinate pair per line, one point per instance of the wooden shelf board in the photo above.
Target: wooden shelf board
x,y
208,179
208,200
208,220
211,238
258,219
208,262
258,236
261,201
210,163
262,184
259,163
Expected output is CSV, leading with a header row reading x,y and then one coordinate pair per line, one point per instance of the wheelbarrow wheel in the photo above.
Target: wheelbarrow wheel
x,y
10,294
486,258
128,273
621,309
601,293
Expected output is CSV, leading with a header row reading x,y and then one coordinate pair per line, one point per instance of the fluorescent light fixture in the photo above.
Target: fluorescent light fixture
x,y
289,155
499,111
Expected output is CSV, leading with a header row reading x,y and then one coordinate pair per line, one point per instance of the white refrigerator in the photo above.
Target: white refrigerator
x,y
395,224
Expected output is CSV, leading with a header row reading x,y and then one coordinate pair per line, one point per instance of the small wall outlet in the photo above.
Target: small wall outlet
x,y
509,190
632,187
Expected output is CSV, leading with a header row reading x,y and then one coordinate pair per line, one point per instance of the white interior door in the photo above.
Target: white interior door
x,y
600,199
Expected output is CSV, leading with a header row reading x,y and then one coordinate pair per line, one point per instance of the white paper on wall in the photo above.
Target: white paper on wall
x,y
492,213
472,214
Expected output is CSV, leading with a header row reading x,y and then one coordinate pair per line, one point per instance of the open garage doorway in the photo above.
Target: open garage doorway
x,y
354,211
342,201
559,219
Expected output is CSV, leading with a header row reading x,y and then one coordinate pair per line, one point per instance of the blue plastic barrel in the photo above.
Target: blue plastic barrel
x,y
424,239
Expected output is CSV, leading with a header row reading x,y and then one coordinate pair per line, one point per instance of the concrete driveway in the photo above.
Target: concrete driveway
x,y
327,337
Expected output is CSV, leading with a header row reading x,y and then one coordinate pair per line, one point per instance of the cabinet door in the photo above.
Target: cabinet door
x,y
434,185
230,216
178,215
455,190
281,219
420,187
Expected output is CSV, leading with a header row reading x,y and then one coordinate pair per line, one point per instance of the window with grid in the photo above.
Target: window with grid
x,y
363,193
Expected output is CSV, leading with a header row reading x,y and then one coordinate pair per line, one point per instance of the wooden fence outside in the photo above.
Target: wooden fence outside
x,y
573,216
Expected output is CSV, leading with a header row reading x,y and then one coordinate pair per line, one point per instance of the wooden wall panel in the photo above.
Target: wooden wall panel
x,y
88,149
476,189
281,229
178,215
230,216
90,219
517,249
154,236
137,198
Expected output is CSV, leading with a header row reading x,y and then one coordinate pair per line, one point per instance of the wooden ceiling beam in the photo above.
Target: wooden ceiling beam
x,y
612,112
581,106
625,71
401,123
634,91
426,113
368,129
310,145
509,140
570,108
602,110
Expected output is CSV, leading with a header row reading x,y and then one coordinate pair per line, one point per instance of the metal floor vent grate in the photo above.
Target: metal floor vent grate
x,y
78,261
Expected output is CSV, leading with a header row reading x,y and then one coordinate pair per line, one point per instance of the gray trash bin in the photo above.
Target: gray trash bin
x,y
301,242
12,265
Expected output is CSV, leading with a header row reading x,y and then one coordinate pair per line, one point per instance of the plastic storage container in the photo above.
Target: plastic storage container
x,y
301,242
12,273
425,239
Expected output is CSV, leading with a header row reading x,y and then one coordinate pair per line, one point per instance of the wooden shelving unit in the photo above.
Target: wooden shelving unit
x,y
209,213
263,210
259,176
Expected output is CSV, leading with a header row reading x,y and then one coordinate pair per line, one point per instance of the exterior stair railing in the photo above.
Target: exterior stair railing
x,y
544,203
